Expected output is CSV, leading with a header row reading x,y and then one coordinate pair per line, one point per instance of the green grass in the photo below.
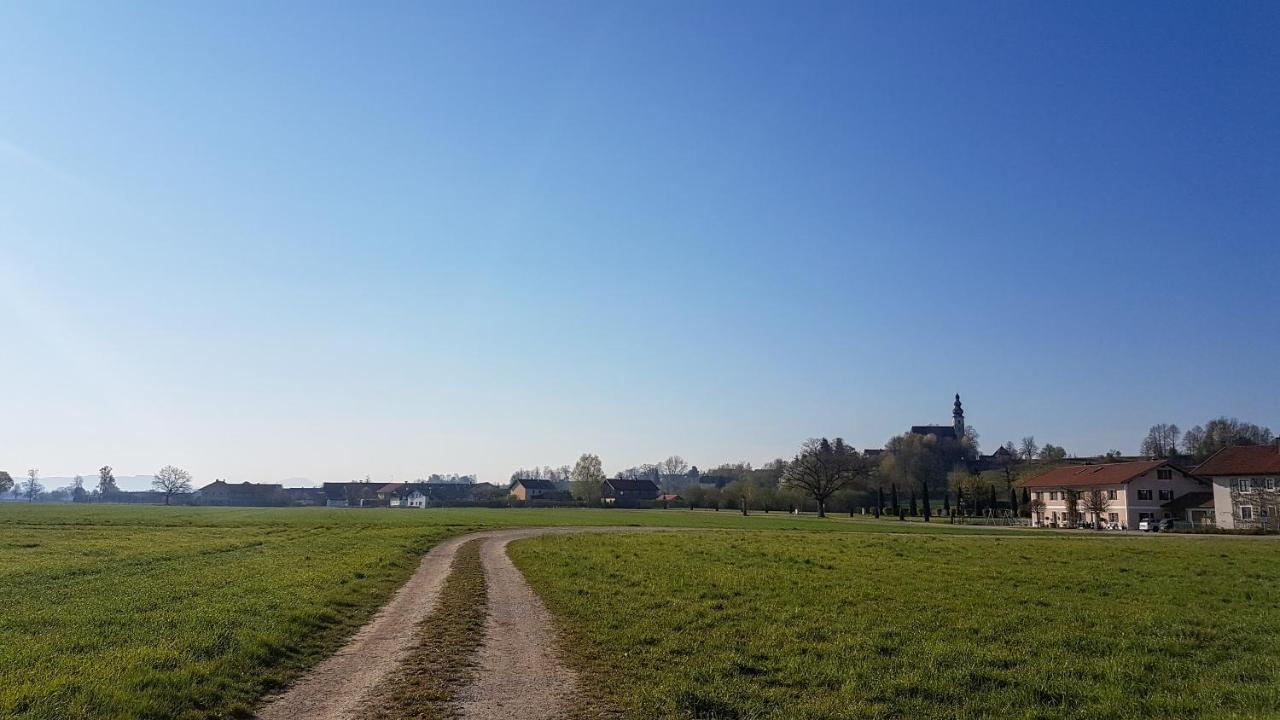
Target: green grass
x,y
155,612
804,626
442,662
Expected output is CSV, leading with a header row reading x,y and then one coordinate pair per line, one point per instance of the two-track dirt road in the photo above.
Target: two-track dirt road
x,y
519,635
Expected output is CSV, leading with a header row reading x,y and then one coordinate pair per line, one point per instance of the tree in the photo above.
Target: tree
x,y
170,480
742,492
924,495
893,498
77,490
991,498
1013,450
1035,508
106,483
588,476
6,482
1072,498
1029,448
1161,441
946,503
1096,502
1053,453
1013,502
879,501
823,468
1224,432
32,487
672,466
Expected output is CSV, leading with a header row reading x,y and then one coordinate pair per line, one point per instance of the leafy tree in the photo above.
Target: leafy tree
x,y
924,494
823,468
1029,448
991,498
1013,502
1053,453
6,482
879,501
588,477
106,483
77,490
893,494
946,503
742,492
171,479
914,510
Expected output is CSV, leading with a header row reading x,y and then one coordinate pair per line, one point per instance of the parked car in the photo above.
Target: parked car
x,y
1147,525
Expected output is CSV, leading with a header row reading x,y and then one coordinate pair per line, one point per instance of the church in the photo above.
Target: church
x,y
954,431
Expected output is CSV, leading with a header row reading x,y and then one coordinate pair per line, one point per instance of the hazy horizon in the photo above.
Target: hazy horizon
x,y
264,242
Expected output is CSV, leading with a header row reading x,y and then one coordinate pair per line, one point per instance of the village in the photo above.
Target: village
x,y
931,471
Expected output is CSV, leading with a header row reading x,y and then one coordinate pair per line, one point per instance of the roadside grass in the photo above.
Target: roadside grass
x,y
117,611
733,625
443,661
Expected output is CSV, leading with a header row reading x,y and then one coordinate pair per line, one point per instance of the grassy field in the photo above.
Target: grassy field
x,y
798,625
154,612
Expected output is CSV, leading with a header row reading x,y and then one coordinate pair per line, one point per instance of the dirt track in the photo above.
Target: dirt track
x,y
519,637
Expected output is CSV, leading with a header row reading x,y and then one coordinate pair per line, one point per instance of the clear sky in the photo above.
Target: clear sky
x,y
324,239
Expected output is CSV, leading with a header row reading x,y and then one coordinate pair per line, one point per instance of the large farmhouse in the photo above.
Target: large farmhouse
x,y
1246,485
1130,491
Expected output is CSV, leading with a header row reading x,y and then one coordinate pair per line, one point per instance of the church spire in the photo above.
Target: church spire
x,y
957,416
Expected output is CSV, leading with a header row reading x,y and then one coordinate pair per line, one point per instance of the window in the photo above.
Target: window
x,y
1267,511
1271,483
1144,494
1053,495
1257,483
1113,517
1039,495
1166,494
1144,516
1111,494
1246,512
1164,474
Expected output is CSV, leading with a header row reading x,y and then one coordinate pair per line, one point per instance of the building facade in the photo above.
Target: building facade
x,y
1127,494
1246,486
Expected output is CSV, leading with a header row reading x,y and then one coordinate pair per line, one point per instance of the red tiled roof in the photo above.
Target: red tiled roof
x,y
391,487
1094,475
1243,460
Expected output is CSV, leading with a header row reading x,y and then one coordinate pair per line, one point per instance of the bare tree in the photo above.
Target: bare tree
x,y
672,466
170,480
1097,502
1029,448
1161,441
823,468
1036,508
32,487
1072,498
588,476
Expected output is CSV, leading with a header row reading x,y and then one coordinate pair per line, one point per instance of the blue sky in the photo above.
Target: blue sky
x,y
324,240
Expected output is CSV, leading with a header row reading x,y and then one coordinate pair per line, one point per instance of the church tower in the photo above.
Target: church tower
x,y
957,416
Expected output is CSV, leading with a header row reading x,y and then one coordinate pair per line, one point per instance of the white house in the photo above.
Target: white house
x,y
1246,486
1130,491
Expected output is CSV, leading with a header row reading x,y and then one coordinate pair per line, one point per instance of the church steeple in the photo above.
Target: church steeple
x,y
957,416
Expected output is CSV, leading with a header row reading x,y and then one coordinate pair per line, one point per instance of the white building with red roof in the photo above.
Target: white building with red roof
x,y
1129,492
1246,485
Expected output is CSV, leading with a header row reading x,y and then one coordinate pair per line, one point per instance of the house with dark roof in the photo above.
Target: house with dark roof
x,y
1245,481
245,494
525,489
621,490
1131,491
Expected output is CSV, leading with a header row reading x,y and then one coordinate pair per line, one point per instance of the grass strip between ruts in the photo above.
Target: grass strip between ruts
x,y
442,662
